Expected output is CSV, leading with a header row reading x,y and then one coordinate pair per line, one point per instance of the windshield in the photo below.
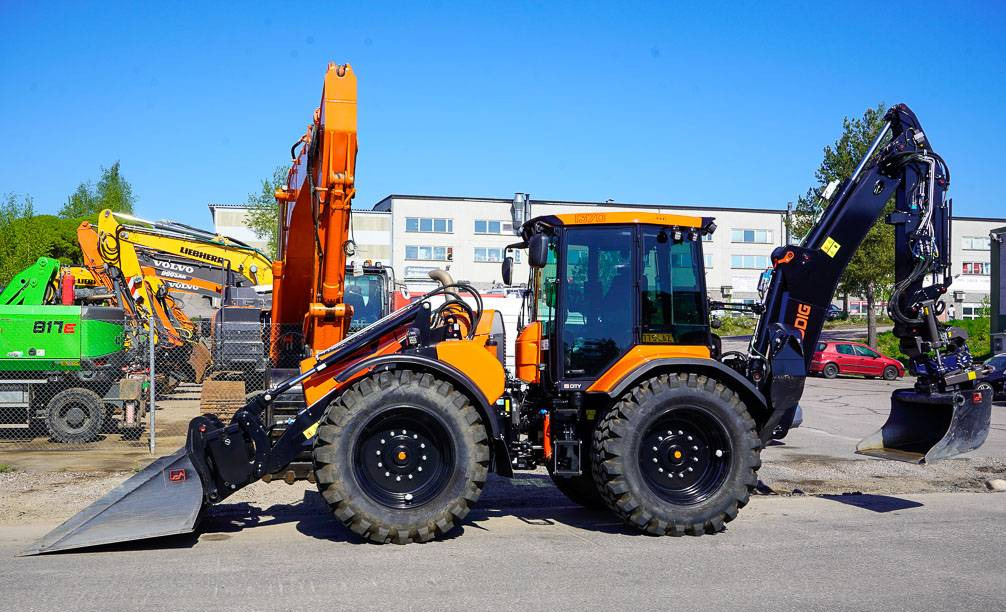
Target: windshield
x,y
368,296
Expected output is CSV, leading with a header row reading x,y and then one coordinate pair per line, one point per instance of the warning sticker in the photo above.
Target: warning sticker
x,y
830,247
310,431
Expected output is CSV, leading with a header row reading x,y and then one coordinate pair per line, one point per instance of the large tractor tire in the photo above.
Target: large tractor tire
x,y
75,416
401,457
677,455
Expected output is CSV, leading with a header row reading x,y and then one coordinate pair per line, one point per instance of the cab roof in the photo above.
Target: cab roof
x,y
704,224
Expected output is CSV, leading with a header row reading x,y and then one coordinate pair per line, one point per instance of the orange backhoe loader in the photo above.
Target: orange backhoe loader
x,y
618,390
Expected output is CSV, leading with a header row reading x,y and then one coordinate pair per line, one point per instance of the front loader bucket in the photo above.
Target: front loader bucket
x,y
166,498
928,427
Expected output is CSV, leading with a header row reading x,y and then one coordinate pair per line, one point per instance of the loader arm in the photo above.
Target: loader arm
x,y
901,163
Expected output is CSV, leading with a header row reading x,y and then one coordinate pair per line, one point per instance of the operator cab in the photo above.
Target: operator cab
x,y
368,291
608,289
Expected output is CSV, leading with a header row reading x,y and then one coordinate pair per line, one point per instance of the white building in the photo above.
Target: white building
x,y
371,230
469,235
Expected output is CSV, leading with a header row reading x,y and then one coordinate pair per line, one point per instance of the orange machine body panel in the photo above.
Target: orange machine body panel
x,y
480,365
642,354
475,358
527,353
314,219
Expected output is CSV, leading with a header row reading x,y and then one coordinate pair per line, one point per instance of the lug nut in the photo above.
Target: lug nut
x,y
719,453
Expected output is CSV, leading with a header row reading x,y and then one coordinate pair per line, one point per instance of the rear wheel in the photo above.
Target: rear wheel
x,y
890,373
75,416
677,455
401,457
830,370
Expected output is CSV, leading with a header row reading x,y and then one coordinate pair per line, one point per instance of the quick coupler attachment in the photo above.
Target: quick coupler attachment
x,y
926,427
222,455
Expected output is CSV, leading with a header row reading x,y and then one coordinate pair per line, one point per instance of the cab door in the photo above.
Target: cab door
x,y
597,309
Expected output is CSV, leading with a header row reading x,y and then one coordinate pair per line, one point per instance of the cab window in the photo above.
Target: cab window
x,y
672,302
598,284
548,291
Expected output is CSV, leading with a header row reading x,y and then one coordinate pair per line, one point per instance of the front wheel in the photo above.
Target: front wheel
x,y
677,455
890,373
401,457
75,416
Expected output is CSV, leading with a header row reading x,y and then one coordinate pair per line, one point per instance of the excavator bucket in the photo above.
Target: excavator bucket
x,y
166,498
923,428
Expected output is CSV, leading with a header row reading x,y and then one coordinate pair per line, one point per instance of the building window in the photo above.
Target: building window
x,y
972,311
494,254
707,237
749,262
753,236
975,243
429,225
709,261
488,226
977,268
429,253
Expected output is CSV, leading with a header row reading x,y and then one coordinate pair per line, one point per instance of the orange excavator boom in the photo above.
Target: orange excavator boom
x,y
314,209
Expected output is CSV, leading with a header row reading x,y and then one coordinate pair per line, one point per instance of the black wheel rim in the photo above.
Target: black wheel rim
x,y
73,417
404,457
685,455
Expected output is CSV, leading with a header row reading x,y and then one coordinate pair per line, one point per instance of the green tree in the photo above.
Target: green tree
x,y
263,211
112,191
870,274
17,248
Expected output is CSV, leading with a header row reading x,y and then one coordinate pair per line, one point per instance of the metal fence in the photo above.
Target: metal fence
x,y
116,413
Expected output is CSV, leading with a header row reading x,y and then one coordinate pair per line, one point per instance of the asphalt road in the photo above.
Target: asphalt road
x,y
906,541
929,552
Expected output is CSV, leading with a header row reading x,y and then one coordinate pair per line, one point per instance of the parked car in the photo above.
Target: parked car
x,y
997,379
833,312
834,357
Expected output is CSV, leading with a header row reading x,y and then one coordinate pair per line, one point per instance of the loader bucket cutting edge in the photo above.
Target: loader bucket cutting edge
x,y
923,428
165,498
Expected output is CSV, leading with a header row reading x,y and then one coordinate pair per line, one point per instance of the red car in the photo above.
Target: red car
x,y
842,357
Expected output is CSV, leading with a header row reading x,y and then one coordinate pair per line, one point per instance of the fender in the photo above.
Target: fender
x,y
748,392
499,453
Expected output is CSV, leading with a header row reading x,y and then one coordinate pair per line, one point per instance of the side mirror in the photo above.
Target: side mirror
x,y
507,270
537,251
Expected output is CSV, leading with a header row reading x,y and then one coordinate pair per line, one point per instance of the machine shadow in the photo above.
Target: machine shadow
x,y
531,498
874,503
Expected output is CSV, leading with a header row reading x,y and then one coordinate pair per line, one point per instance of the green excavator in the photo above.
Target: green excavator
x,y
65,369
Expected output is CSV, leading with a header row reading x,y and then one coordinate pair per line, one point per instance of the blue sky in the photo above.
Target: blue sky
x,y
674,103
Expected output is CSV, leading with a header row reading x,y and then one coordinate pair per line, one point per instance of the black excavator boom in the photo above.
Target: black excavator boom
x,y
947,412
